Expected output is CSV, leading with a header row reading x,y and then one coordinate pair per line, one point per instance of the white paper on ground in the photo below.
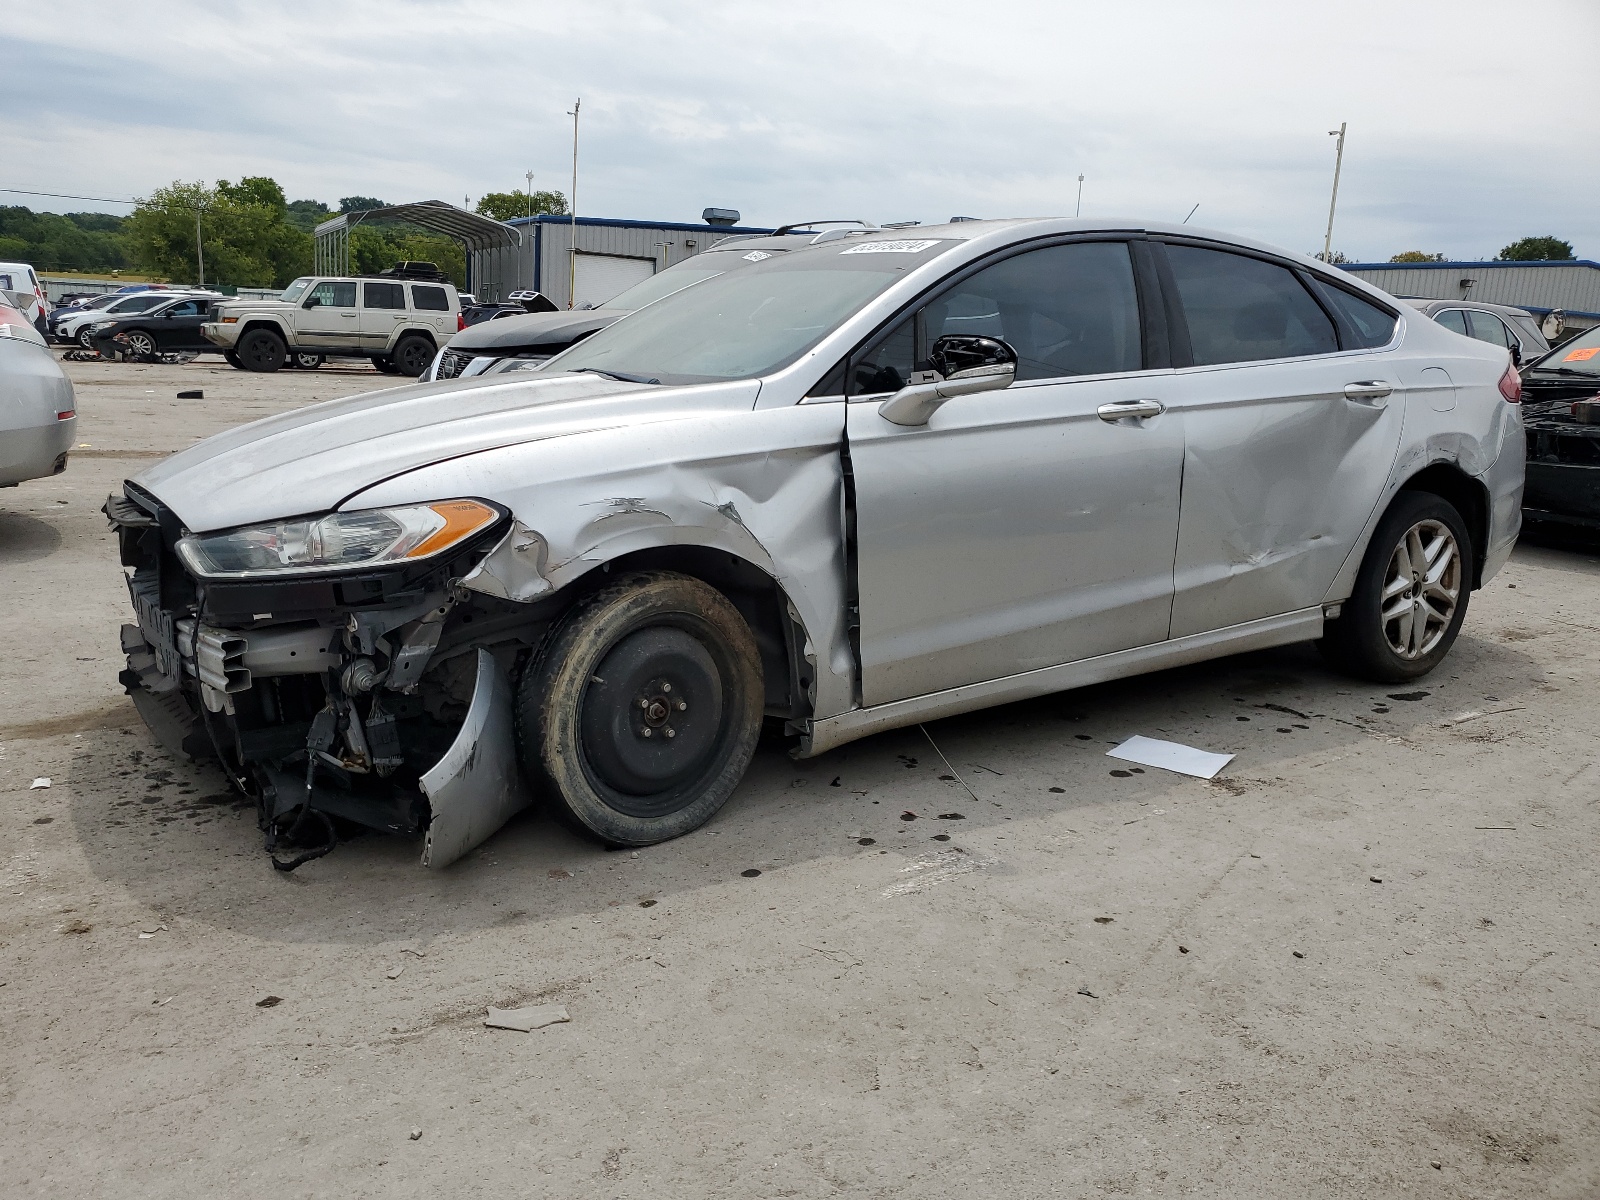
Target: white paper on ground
x,y
526,1020
1170,756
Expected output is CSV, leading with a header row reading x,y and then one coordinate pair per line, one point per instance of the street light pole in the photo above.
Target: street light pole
x,y
1338,162
572,248
529,176
1078,212
199,248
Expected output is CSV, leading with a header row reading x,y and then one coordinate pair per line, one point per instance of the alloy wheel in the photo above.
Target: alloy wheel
x,y
141,345
1421,589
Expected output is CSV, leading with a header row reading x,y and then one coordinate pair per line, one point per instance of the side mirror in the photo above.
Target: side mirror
x,y
968,364
311,302
1516,354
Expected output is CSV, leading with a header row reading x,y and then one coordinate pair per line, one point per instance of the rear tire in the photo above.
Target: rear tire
x,y
412,355
383,364
641,711
262,350
1410,596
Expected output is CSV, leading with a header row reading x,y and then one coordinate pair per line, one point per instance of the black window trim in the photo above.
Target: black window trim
x,y
1312,281
1146,289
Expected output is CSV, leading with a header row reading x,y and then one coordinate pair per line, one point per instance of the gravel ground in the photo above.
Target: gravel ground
x,y
1361,963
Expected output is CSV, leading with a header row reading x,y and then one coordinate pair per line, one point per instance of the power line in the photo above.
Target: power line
x,y
67,196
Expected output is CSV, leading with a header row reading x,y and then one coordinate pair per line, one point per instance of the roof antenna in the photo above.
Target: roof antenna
x,y
1192,211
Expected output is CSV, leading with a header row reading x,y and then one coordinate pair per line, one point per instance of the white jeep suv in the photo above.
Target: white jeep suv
x,y
399,324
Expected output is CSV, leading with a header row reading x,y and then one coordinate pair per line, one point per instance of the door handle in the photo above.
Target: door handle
x,y
352,316
1368,390
1118,409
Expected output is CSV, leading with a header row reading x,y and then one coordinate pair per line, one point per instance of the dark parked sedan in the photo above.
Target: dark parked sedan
x,y
164,329
1563,449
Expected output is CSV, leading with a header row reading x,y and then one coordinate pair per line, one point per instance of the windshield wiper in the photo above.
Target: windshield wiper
x,y
1566,371
620,375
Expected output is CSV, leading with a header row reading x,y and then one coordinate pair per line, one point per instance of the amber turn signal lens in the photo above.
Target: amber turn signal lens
x,y
461,517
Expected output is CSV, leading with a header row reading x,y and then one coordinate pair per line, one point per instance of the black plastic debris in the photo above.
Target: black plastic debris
x,y
269,1001
193,394
750,874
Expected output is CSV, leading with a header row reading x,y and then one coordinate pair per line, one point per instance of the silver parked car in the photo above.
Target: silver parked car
x,y
888,477
38,414
1516,329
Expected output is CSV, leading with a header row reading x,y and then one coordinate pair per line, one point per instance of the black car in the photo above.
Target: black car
x,y
1563,476
164,329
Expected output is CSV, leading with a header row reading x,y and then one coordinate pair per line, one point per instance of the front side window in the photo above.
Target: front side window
x,y
137,304
186,308
429,299
383,295
332,294
1066,310
1242,309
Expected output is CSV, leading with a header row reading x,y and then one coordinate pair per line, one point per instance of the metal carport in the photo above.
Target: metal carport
x,y
474,232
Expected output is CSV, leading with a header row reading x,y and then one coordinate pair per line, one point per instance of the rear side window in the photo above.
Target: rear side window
x,y
1242,309
432,299
329,294
137,304
1487,327
1369,325
383,295
1454,320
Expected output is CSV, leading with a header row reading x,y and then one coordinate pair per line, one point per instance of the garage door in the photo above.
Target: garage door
x,y
602,276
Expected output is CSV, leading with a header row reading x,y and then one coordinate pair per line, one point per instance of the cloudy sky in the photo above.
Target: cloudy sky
x,y
1468,119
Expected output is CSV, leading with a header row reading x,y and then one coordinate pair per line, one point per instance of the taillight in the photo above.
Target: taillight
x,y
1511,386
68,415
461,321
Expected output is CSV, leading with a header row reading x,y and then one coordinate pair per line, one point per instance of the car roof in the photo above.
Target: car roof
x,y
1430,304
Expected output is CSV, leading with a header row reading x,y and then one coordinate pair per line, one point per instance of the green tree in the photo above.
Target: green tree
x,y
1411,256
1536,249
246,239
360,204
306,215
504,206
70,242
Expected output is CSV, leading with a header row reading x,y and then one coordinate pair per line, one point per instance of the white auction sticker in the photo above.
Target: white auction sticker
x,y
890,247
756,256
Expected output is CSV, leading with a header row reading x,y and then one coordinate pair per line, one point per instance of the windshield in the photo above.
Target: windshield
x,y
1579,355
751,322
666,282
295,290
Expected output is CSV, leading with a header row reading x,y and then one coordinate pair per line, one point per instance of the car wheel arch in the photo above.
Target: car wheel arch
x,y
270,324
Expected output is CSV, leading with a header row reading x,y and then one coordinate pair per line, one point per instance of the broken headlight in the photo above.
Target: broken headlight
x,y
366,538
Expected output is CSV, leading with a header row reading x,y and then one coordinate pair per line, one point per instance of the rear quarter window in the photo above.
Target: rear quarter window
x,y
1370,325
1243,309
430,299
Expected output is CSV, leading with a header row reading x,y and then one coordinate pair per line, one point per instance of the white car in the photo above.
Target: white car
x,y
27,293
38,415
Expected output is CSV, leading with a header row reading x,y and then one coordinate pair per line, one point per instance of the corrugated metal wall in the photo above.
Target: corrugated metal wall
x,y
493,274
1575,288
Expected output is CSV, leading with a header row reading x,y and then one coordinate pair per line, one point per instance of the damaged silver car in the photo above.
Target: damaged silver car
x,y
892,476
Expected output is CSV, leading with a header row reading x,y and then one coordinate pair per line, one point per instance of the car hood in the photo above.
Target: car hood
x,y
313,459
511,335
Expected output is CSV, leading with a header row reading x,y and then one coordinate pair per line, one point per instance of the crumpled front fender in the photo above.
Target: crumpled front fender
x,y
477,786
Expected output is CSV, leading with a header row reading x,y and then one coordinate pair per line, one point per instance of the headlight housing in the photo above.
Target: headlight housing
x,y
341,541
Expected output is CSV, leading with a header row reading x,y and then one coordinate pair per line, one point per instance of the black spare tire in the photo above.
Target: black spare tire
x,y
641,711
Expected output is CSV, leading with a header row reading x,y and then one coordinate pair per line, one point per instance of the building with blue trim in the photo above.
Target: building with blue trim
x,y
1569,285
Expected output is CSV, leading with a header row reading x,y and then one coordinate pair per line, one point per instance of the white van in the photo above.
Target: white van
x,y
20,280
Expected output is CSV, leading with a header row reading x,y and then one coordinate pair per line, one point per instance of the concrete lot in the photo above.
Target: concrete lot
x,y
1362,963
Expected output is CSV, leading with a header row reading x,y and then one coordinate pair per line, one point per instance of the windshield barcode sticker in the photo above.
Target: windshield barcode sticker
x,y
890,247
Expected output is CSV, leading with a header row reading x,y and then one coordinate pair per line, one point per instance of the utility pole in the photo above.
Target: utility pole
x,y
1338,162
199,249
1078,212
572,249
528,175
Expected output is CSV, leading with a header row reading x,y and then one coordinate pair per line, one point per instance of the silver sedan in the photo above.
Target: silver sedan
x,y
887,477
38,414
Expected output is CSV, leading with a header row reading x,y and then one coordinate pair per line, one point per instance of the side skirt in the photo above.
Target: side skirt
x,y
1286,629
